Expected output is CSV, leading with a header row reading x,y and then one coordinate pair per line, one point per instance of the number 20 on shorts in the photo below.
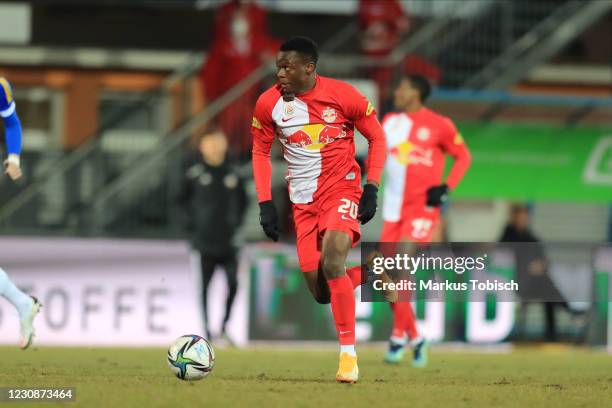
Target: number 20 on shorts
x,y
348,207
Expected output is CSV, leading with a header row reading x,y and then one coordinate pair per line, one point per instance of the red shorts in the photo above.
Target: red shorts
x,y
417,225
336,211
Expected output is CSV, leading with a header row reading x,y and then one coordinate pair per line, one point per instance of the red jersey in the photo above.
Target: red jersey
x,y
316,132
417,143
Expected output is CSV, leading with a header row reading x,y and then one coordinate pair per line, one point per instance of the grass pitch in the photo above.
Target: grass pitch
x,y
269,378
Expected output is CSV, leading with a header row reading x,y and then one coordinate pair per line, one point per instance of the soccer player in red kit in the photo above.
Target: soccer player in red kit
x,y
314,118
418,140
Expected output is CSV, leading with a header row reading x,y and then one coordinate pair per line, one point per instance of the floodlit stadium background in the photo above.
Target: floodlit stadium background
x,y
109,97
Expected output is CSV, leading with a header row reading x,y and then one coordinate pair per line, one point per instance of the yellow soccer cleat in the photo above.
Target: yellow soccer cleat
x,y
348,372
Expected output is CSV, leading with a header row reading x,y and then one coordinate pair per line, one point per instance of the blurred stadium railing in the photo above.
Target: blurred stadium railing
x,y
85,190
489,43
527,145
66,183
114,185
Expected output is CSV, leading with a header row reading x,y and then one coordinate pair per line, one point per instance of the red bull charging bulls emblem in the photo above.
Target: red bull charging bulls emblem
x,y
315,137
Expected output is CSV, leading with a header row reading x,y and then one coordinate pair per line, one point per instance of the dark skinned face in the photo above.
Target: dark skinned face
x,y
405,95
295,74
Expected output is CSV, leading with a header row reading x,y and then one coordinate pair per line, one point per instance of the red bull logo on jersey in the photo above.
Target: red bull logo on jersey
x,y
315,137
407,153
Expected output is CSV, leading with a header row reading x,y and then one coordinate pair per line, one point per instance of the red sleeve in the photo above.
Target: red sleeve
x,y
377,150
211,71
262,130
359,110
452,144
222,20
262,40
363,15
397,16
258,19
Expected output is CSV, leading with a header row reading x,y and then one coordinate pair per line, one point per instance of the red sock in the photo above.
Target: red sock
x,y
343,308
411,328
403,320
399,319
354,273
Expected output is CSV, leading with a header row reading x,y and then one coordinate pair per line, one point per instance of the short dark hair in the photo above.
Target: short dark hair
x,y
422,84
304,46
211,131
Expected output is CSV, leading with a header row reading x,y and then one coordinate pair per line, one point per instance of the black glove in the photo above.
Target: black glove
x,y
268,218
437,195
367,203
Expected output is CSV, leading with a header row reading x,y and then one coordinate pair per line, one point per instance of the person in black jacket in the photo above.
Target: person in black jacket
x,y
213,199
535,283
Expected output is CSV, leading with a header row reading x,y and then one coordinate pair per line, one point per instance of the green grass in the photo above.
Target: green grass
x,y
253,378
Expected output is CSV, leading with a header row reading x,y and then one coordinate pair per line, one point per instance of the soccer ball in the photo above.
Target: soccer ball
x,y
191,357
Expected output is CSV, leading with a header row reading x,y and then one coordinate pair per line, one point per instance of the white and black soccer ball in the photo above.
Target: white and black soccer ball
x,y
191,357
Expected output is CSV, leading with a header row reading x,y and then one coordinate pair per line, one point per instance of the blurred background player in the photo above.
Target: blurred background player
x,y
213,198
313,117
26,305
382,24
241,44
418,140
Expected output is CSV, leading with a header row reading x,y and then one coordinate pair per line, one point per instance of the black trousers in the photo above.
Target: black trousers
x,y
208,264
550,318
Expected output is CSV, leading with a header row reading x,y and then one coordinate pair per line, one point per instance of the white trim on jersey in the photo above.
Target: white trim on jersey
x,y
397,130
8,111
303,165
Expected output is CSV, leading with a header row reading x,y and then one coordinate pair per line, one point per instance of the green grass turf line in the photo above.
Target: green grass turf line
x,y
109,377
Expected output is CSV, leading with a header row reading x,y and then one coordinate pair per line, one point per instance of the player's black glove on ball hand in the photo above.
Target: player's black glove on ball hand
x,y
437,195
367,203
268,218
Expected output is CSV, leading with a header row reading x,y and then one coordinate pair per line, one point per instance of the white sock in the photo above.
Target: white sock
x,y
20,300
398,340
348,349
416,341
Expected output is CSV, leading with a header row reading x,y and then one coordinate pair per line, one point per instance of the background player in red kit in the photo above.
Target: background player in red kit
x,y
314,119
418,140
